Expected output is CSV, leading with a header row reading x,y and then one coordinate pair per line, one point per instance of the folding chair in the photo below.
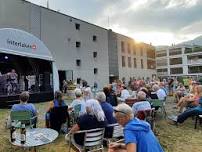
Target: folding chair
x,y
59,116
156,103
117,133
93,140
198,117
23,117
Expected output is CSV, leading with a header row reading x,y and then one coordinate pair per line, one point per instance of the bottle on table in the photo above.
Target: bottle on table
x,y
12,132
23,134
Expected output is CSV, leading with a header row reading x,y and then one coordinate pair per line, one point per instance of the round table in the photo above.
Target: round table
x,y
36,137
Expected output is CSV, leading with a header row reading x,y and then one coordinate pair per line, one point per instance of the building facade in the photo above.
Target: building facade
x,y
179,60
81,50
129,59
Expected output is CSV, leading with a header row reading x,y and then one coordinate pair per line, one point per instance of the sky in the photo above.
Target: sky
x,y
160,22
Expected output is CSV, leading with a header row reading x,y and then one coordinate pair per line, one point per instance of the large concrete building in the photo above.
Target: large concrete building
x,y
181,60
81,50
128,59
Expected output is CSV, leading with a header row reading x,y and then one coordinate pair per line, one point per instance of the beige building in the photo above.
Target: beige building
x,y
133,59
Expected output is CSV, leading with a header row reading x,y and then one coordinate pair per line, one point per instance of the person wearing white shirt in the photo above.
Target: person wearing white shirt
x,y
124,94
142,103
160,92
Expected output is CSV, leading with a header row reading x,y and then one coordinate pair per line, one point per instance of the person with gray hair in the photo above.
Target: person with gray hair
x,y
79,101
108,111
142,103
138,136
92,119
160,92
87,93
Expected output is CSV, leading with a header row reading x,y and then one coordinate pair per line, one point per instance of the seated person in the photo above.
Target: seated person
x,y
78,101
110,95
124,94
24,106
94,118
87,94
142,103
57,102
191,111
180,92
161,94
191,99
108,111
138,136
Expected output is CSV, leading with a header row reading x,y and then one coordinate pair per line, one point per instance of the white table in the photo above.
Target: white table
x,y
36,137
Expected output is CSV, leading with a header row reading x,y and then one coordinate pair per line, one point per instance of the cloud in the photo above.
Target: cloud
x,y
177,19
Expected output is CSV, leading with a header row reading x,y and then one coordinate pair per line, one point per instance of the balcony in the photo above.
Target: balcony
x,y
193,50
194,61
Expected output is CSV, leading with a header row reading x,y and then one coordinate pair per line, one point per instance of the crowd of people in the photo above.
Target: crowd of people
x,y
109,107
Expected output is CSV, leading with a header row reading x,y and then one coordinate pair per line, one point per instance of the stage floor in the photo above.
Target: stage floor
x,y
34,98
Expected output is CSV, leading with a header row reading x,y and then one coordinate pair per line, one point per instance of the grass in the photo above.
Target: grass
x,y
182,138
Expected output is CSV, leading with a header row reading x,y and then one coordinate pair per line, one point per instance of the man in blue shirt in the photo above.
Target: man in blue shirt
x,y
108,111
138,135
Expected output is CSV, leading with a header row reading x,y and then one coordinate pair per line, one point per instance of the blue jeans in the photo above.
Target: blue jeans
x,y
189,113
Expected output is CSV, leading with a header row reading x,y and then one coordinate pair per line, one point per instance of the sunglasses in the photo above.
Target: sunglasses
x,y
115,111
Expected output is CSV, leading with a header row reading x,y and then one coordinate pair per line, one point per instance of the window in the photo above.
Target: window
x,y
129,51
194,59
161,62
95,70
195,69
142,64
129,62
94,54
78,62
176,70
141,51
151,64
134,63
77,26
123,61
188,50
134,50
78,44
122,46
161,53
94,38
175,51
151,53
174,61
162,71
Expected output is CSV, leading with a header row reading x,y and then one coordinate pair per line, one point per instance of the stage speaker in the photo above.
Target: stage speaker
x,y
47,85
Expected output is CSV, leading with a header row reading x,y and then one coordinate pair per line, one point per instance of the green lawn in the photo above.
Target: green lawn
x,y
183,138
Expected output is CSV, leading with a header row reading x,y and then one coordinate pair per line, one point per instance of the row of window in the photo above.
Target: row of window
x,y
130,48
161,53
179,70
173,61
130,62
